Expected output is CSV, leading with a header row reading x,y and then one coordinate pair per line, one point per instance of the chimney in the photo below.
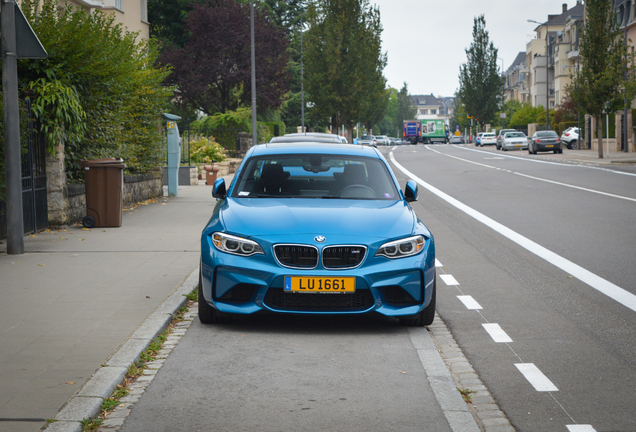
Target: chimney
x,y
565,7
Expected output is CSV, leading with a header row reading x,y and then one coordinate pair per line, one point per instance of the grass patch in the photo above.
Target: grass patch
x,y
467,395
135,370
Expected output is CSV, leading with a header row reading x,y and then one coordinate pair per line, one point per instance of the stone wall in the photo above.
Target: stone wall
x,y
142,187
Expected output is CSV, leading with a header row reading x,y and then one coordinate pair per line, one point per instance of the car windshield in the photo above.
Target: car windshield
x,y
547,134
323,176
488,135
515,135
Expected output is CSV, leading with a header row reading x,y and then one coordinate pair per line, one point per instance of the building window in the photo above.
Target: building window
x,y
119,5
433,111
144,10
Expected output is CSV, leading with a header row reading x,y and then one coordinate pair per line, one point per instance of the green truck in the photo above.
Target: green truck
x,y
433,131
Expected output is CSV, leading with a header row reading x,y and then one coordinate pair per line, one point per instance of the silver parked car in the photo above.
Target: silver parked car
x,y
514,141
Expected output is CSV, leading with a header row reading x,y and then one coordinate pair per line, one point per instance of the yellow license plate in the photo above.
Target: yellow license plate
x,y
549,145
310,284
517,145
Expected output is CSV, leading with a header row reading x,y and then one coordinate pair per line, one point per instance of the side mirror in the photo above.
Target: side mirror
x,y
410,191
219,190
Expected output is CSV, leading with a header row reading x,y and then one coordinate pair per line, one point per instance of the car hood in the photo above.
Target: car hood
x,y
364,218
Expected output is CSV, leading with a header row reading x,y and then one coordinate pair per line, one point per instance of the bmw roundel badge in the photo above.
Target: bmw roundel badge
x,y
320,239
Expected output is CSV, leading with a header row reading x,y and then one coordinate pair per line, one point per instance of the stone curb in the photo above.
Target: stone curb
x,y
483,410
87,402
455,410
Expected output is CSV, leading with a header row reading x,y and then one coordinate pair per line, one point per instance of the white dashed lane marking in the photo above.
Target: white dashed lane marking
x,y
449,279
535,377
469,302
437,263
580,428
496,333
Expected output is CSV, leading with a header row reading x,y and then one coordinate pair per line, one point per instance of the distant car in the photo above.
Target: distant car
x,y
502,132
382,140
457,139
307,137
478,139
368,140
488,138
514,141
316,229
545,141
570,137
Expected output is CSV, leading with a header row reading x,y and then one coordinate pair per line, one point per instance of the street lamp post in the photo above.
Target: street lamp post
x,y
547,88
625,144
302,80
503,74
253,61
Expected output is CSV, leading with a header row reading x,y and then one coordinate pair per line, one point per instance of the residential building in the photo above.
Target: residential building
x,y
430,107
516,87
133,14
541,59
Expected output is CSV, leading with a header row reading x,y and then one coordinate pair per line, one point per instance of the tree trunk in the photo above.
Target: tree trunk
x,y
599,134
350,132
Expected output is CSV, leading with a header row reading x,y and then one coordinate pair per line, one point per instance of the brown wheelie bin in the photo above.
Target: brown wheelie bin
x,y
104,184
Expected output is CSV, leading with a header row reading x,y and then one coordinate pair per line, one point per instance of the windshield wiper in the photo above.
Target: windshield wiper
x,y
273,196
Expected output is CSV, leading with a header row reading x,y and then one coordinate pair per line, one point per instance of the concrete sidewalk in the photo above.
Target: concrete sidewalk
x,y
591,157
76,296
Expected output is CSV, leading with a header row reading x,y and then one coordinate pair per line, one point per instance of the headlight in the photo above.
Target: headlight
x,y
236,245
402,248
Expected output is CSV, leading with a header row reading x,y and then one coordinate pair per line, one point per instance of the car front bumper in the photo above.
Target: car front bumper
x,y
245,285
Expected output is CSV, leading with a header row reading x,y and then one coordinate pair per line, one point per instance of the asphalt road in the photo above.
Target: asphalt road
x,y
541,299
291,373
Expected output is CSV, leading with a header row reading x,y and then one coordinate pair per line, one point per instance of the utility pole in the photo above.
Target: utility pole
x,y
13,164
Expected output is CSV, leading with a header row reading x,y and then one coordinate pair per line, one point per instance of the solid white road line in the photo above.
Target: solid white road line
x,y
469,302
449,279
536,178
496,333
535,377
580,428
577,165
606,287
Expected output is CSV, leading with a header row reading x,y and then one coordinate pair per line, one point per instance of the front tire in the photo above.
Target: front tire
x,y
207,314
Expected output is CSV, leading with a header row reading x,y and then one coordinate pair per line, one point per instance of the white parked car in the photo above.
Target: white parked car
x,y
570,136
514,141
488,138
382,140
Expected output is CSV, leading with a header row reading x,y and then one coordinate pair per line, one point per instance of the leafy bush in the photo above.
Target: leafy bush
x,y
99,90
206,150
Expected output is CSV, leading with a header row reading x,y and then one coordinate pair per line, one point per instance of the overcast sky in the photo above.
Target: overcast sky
x,y
426,39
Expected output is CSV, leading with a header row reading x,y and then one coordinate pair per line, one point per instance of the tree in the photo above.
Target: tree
x,y
99,91
405,108
166,20
526,114
459,117
213,70
599,86
344,62
481,87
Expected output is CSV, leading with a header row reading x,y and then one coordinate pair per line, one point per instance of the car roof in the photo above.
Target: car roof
x,y
327,138
313,148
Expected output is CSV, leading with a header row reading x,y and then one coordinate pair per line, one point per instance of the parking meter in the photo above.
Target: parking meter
x,y
174,153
